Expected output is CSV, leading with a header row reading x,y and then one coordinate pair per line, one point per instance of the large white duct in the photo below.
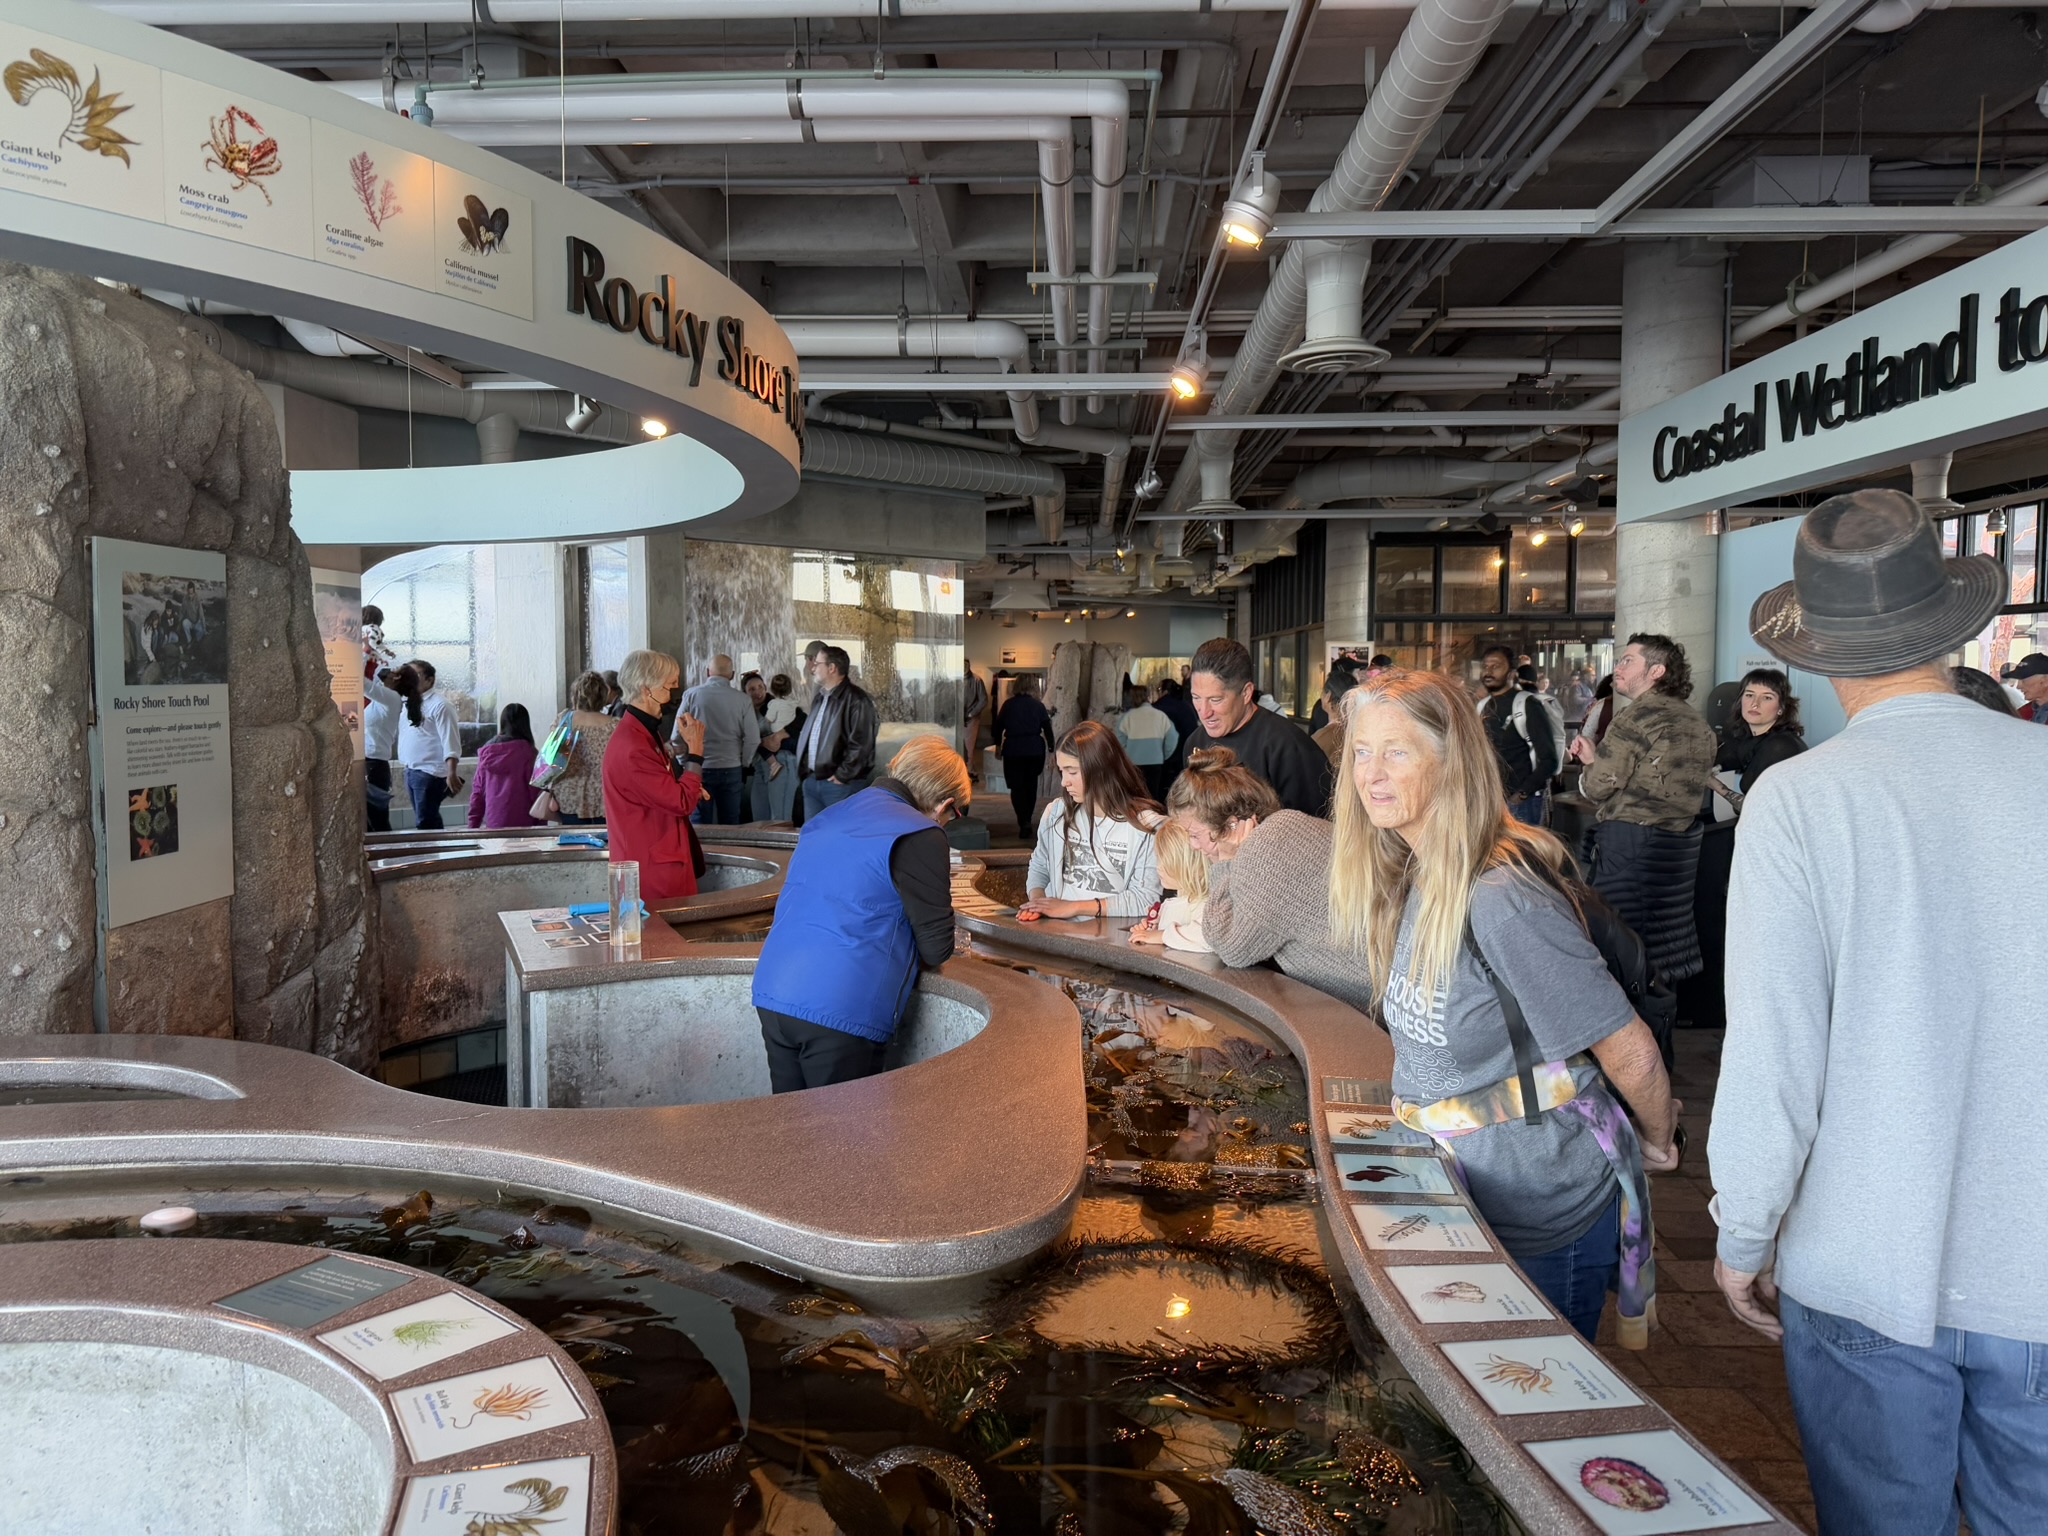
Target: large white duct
x,y
935,467
1391,475
994,340
1441,45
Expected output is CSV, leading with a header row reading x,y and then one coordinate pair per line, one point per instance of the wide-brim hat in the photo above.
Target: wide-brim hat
x,y
1871,592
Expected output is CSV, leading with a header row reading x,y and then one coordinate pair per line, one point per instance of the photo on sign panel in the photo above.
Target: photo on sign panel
x,y
174,630
152,821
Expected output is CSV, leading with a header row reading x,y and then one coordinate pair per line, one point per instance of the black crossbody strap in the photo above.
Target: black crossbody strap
x,y
1520,1040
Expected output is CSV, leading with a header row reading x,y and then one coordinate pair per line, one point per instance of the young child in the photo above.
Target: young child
x,y
1176,922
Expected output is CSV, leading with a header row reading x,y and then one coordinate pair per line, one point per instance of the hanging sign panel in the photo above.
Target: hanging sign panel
x,y
1956,361
160,660
338,606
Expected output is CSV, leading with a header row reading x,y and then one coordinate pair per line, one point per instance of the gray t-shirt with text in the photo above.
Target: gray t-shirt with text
x,y
1540,1186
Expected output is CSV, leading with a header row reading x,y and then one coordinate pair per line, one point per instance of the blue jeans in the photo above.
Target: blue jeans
x,y
775,799
723,808
427,791
819,793
1577,1277
1530,810
1893,1432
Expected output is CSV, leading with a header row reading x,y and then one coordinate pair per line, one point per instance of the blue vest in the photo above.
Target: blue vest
x,y
842,953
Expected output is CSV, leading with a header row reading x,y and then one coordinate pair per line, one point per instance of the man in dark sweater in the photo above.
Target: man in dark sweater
x,y
1276,749
1520,732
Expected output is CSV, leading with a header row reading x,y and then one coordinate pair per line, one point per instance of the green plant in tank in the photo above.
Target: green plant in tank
x,y
427,1332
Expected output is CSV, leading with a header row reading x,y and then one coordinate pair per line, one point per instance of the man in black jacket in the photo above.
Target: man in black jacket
x,y
836,753
1519,729
1277,750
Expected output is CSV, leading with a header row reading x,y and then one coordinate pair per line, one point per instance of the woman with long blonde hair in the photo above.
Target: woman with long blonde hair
x,y
1503,1014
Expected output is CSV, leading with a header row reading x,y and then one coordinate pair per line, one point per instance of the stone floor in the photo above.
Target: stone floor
x,y
1719,1379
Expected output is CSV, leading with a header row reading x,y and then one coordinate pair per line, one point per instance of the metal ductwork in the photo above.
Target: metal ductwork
x,y
1334,321
1215,458
1391,475
497,438
1930,485
935,467
988,340
1441,45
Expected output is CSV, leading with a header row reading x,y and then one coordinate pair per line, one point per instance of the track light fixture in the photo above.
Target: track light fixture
x,y
654,426
582,415
1149,485
1191,373
1248,216
1575,522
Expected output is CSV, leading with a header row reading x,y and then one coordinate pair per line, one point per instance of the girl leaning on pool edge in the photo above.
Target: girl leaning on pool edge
x,y
1463,917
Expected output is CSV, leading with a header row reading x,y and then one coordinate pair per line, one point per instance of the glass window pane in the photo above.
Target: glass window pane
x,y
1538,561
1471,578
1951,530
1287,674
2023,553
1404,579
1596,572
605,638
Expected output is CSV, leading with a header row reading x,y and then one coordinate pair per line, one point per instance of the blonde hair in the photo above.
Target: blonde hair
x,y
932,772
1181,864
1466,832
642,670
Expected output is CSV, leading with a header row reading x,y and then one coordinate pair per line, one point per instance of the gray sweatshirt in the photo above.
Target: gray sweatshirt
x,y
1272,902
1885,1053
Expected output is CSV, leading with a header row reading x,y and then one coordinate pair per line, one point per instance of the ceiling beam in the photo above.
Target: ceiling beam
x,y
1530,224
1360,420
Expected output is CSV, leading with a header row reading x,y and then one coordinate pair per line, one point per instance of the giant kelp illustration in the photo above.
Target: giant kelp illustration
x,y
92,110
248,163
483,229
377,194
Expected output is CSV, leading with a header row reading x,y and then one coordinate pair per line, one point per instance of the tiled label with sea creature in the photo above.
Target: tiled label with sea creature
x,y
404,1340
484,1407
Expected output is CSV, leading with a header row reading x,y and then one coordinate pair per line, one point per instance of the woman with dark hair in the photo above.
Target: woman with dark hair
x,y
1022,730
502,792
1269,876
1094,856
1507,1026
1764,733
429,744
1982,688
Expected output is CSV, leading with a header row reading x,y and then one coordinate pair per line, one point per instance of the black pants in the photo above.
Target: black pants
x,y
1021,774
1157,776
377,774
806,1055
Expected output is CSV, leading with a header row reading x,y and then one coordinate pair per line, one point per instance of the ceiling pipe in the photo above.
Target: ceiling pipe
x,y
1439,48
1606,400
1930,485
1390,475
1545,481
497,438
208,13
325,340
990,340
2026,192
930,466
825,415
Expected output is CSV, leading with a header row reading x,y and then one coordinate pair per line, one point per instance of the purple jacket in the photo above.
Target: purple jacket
x,y
501,794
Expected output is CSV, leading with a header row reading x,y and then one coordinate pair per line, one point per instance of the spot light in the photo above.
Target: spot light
x,y
581,415
654,426
1130,613
1248,216
1575,525
1191,372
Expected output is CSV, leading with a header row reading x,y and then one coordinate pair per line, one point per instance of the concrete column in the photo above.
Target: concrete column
x,y
1672,335
658,594
532,628
1347,582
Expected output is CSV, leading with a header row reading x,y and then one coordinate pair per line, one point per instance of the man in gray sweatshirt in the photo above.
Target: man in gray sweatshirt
x,y
1882,1069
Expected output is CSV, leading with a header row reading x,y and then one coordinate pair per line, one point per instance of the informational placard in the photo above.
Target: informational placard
x,y
238,167
407,1339
80,125
484,1407
1646,1484
373,206
1420,1228
1370,1128
1357,1090
483,242
309,1295
338,608
1467,1293
1361,1172
1559,1373
525,1496
160,643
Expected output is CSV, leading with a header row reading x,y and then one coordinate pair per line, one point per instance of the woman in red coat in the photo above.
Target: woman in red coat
x,y
648,795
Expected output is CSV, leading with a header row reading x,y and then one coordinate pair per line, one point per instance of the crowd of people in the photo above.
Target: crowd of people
x,y
1398,855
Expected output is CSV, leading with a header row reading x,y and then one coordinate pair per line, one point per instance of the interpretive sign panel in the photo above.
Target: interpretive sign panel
x,y
1646,1484
483,242
373,206
160,641
409,1339
521,1496
338,606
311,1294
237,167
1555,1374
484,1407
80,125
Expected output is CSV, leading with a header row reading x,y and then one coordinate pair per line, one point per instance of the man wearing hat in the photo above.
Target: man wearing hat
x,y
2030,674
1872,1148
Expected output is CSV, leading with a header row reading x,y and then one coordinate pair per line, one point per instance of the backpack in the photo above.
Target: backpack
x,y
1553,719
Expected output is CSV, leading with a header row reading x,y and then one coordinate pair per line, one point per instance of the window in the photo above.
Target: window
x,y
1471,578
601,578
1448,602
2023,626
1404,579
1538,572
439,607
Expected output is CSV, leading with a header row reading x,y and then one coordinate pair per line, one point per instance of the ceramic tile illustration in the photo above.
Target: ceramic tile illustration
x,y
527,1498
79,125
401,1341
1645,1484
373,207
1420,1228
238,167
484,1407
483,242
1370,1128
1363,1172
1467,1293
1555,1374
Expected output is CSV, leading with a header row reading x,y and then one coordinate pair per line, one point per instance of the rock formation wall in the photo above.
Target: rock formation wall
x,y
116,420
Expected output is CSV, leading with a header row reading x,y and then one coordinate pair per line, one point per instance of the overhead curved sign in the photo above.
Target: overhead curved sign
x,y
1946,365
139,155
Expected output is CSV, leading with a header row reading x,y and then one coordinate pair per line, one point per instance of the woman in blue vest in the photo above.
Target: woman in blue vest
x,y
868,901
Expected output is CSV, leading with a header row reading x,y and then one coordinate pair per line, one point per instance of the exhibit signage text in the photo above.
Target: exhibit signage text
x,y
1942,365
